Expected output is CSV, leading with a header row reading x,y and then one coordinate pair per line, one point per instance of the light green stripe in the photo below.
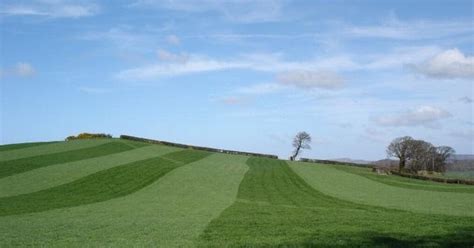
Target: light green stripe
x,y
51,148
355,188
171,212
58,174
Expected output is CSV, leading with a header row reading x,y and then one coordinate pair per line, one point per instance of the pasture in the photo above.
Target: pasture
x,y
120,193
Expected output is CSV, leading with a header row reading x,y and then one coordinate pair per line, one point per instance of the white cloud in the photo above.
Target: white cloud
x,y
24,69
399,57
311,79
448,64
172,66
260,89
393,28
427,116
194,65
21,69
50,8
173,40
164,55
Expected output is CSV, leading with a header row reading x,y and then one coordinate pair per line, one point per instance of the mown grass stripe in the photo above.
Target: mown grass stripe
x,y
277,208
55,147
403,182
101,186
171,212
359,189
12,167
54,175
10,147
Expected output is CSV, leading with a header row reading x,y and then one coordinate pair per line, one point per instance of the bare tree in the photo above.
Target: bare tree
x,y
420,155
440,156
400,148
301,141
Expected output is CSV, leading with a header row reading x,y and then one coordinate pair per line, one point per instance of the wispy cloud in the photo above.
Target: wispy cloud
x,y
94,90
50,8
394,28
173,39
307,79
427,116
21,69
243,11
466,99
260,89
164,55
255,62
448,64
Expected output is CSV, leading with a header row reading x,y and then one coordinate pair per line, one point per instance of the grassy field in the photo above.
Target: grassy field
x,y
118,193
460,174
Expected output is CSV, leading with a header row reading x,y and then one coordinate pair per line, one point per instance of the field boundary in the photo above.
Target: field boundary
x,y
322,161
434,179
209,149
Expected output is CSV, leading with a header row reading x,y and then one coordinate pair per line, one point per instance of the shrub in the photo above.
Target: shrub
x,y
89,136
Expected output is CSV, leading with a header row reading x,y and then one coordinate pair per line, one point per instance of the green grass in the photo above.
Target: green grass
x,y
101,186
12,167
359,189
460,174
275,207
403,182
55,147
171,212
160,196
57,174
22,145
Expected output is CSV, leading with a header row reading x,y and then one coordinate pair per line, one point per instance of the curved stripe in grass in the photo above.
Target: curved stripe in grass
x,y
358,189
277,208
12,167
404,182
54,175
10,147
101,186
51,148
171,212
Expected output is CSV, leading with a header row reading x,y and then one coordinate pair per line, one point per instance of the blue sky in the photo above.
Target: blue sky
x,y
243,75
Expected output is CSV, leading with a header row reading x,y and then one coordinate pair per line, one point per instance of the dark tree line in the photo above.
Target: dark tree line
x,y
416,155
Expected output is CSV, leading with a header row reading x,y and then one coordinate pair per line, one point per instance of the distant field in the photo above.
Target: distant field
x,y
460,174
117,193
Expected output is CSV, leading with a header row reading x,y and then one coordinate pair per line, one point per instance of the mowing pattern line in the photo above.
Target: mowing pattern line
x,y
55,147
11,167
23,145
101,186
403,182
55,175
358,189
278,208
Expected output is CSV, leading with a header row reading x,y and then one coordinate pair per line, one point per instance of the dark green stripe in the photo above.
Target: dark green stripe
x,y
101,186
276,208
22,145
11,167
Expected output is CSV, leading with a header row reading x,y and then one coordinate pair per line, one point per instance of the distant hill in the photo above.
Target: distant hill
x,y
462,157
354,161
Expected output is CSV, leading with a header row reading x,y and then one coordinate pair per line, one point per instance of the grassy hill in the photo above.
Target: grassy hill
x,y
112,192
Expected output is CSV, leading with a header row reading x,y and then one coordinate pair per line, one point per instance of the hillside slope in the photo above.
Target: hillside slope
x,y
111,192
